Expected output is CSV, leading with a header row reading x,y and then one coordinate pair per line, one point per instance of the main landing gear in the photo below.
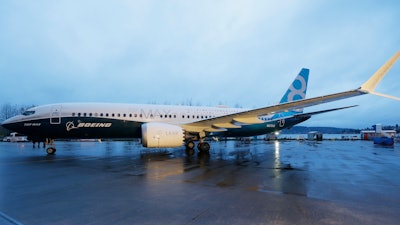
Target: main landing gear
x,y
203,147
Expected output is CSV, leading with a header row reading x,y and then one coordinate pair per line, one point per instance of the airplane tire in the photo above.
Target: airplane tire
x,y
190,145
204,147
51,150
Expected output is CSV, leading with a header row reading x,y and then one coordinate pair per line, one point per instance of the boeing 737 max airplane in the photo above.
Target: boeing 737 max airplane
x,y
162,126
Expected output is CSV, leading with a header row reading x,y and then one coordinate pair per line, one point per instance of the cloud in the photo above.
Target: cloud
x,y
212,52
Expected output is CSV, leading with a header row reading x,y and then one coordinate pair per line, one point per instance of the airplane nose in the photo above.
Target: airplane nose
x,y
10,123
5,123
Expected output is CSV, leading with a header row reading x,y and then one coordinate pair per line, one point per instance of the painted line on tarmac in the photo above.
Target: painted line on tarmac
x,y
4,219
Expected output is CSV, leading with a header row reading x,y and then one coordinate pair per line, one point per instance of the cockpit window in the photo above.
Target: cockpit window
x,y
28,112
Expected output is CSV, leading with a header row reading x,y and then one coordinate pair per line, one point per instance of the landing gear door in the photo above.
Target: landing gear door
x,y
55,114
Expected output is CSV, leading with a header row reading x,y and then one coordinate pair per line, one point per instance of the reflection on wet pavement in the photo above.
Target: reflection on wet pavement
x,y
326,177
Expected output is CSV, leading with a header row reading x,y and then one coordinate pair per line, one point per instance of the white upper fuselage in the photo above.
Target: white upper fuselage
x,y
130,112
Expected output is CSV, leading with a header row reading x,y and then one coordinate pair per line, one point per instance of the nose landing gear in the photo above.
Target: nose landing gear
x,y
51,149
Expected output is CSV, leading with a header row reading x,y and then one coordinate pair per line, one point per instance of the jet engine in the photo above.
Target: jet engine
x,y
161,135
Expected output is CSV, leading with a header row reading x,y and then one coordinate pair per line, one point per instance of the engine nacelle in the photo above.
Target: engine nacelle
x,y
161,135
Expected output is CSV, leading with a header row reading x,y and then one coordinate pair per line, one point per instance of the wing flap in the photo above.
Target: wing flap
x,y
211,129
248,120
225,125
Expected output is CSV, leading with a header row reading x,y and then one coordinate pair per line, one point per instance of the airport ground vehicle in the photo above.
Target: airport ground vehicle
x,y
15,137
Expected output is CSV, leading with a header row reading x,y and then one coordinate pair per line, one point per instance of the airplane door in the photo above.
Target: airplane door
x,y
55,114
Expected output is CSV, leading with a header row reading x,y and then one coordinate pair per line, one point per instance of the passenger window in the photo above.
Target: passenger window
x,y
112,115
84,114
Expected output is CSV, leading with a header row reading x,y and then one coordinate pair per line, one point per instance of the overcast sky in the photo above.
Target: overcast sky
x,y
206,52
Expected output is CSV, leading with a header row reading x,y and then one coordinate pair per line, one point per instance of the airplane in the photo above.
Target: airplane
x,y
168,126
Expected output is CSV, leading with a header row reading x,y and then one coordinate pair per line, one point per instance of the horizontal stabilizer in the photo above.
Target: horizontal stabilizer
x,y
322,111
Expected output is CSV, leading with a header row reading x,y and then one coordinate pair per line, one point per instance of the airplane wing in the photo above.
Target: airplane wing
x,y
252,116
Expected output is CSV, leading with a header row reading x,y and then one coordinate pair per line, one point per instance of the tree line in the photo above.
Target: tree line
x,y
8,110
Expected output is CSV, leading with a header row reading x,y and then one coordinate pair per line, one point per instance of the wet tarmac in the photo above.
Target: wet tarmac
x,y
277,182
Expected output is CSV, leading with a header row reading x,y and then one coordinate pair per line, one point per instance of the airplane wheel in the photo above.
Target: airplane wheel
x,y
190,145
203,147
51,150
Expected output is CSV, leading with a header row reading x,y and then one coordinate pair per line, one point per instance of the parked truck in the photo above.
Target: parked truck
x,y
15,137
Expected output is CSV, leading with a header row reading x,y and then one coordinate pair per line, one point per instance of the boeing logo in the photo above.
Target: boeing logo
x,y
70,125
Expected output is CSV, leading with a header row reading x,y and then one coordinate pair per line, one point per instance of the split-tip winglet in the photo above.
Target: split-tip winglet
x,y
370,85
